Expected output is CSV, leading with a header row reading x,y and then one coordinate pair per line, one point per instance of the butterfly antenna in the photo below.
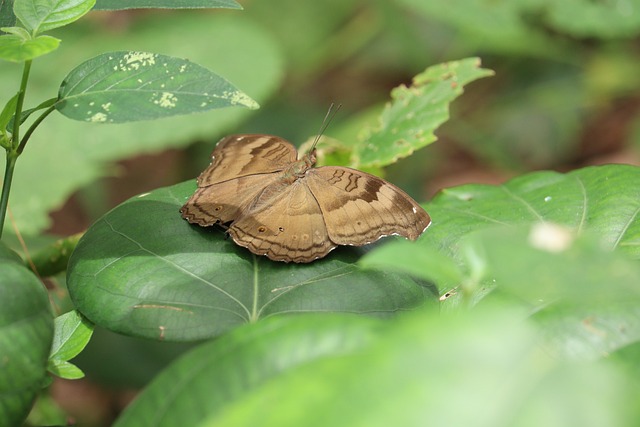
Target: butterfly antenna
x,y
331,113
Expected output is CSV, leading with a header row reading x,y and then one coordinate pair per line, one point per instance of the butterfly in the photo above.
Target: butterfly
x,y
277,205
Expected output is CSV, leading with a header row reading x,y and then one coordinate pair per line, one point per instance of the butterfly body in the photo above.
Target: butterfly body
x,y
289,210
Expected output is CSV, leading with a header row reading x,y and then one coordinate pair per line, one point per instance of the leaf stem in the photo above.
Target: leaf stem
x,y
17,120
33,127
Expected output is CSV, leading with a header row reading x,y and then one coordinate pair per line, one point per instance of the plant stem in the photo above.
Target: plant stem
x,y
12,152
17,118
12,156
33,127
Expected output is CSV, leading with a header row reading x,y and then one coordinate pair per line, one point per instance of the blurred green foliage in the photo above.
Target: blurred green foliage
x,y
554,77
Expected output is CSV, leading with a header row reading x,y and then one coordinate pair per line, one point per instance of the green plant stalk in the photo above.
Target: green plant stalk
x,y
13,153
12,156
33,127
23,90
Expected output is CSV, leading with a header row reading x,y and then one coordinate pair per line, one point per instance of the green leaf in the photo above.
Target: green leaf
x,y
16,49
222,371
418,370
601,199
7,113
26,329
119,87
586,296
169,4
65,370
17,31
7,17
425,261
409,121
142,270
43,15
571,267
72,333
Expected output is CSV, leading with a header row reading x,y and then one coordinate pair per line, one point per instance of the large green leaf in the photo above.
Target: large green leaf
x,y
409,121
169,4
225,370
64,155
142,270
43,15
26,330
119,87
602,199
421,370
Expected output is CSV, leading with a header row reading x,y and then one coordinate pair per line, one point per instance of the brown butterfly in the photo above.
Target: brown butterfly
x,y
284,208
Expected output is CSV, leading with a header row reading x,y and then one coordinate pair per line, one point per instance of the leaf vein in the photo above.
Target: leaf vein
x,y
180,268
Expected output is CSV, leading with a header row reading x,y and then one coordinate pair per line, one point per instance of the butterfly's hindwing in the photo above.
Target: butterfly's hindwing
x,y
359,208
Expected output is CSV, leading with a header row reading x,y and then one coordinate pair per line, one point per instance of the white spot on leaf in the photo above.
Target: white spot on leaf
x,y
166,100
238,97
98,118
135,60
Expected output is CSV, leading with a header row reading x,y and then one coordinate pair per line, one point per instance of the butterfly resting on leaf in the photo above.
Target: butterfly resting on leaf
x,y
288,210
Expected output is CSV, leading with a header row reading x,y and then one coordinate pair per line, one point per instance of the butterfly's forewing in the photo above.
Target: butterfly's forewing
x,y
287,228
223,202
240,155
359,208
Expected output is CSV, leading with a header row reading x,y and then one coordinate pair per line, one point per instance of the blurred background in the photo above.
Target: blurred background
x,y
566,94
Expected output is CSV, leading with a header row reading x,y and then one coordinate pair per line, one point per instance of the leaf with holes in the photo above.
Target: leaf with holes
x,y
119,87
410,120
142,270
